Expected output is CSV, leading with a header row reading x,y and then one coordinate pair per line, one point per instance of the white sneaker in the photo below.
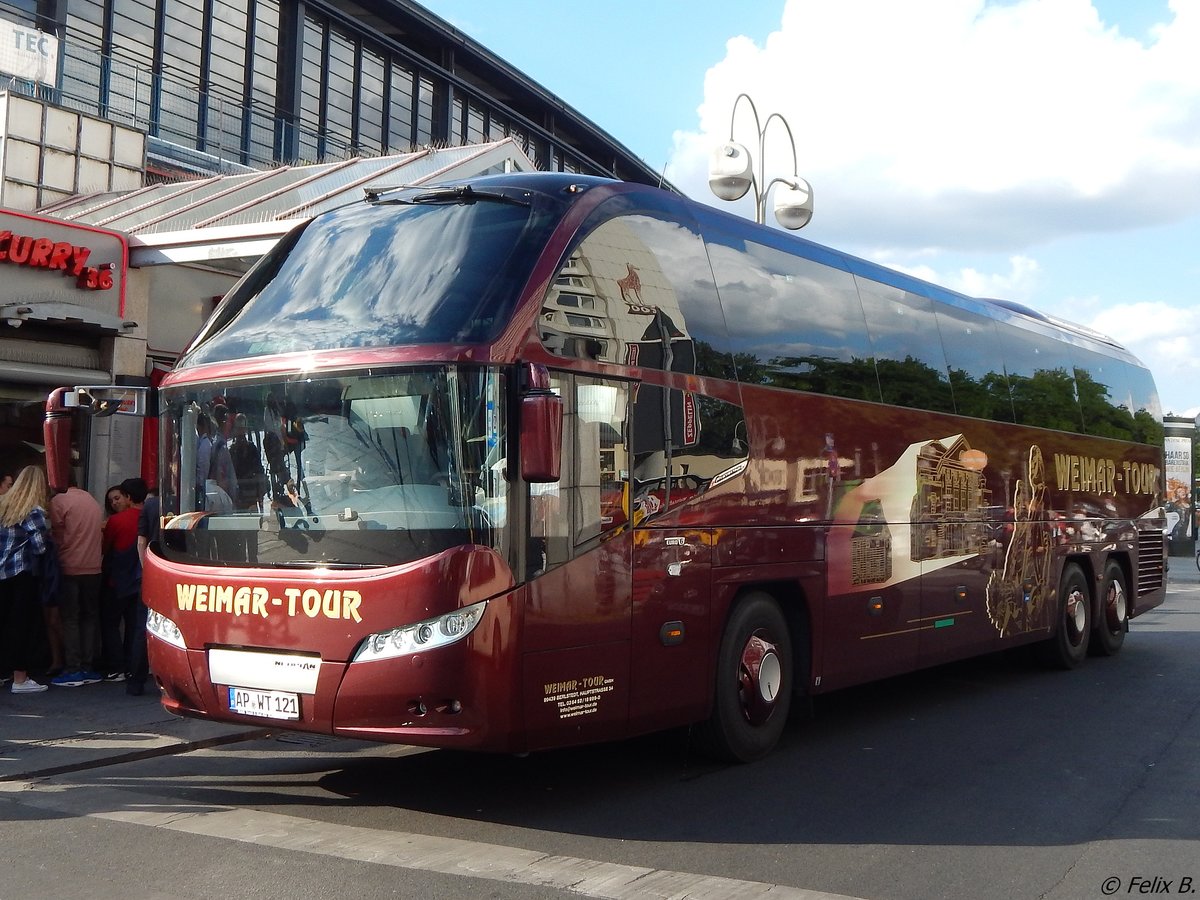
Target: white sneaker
x,y
28,686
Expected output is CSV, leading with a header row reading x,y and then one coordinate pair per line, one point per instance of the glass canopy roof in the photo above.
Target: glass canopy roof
x,y
282,194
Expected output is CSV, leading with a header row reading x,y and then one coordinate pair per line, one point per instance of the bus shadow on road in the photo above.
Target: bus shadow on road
x,y
990,751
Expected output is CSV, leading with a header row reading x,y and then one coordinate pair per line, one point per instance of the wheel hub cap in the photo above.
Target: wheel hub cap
x,y
1076,612
760,679
1115,610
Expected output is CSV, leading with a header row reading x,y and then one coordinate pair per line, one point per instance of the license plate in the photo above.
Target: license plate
x,y
266,704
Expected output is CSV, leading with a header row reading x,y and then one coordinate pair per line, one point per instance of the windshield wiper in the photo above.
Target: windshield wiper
x,y
326,564
462,193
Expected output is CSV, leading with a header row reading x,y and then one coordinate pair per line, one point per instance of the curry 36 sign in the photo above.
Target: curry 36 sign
x,y
48,261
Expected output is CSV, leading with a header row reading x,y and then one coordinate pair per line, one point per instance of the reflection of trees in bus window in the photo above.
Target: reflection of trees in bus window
x,y
906,346
799,320
975,362
1112,392
1040,379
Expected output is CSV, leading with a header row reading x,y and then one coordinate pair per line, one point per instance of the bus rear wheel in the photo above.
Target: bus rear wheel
x,y
1113,620
754,682
1068,646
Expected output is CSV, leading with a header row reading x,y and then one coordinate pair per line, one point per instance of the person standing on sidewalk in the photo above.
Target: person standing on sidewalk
x,y
122,582
77,523
133,610
23,538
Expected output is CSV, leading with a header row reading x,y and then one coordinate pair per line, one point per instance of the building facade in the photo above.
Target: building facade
x,y
227,83
102,100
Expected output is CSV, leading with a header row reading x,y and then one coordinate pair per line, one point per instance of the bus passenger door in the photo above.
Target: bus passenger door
x,y
577,559
672,582
576,660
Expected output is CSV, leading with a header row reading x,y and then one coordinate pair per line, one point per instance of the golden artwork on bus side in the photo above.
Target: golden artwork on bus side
x,y
926,511
1019,597
950,500
1104,476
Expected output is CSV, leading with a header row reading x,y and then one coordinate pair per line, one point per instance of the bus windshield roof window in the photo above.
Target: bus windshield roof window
x,y
380,275
351,471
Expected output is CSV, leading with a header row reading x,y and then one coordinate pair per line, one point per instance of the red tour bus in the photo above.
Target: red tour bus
x,y
537,460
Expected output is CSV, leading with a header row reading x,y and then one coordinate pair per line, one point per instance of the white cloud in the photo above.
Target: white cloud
x,y
964,124
1161,336
1018,283
1164,326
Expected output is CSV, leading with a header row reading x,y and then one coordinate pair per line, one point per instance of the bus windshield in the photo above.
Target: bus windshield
x,y
426,270
351,471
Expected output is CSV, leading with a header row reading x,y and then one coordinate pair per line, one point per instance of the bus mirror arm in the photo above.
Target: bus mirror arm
x,y
541,436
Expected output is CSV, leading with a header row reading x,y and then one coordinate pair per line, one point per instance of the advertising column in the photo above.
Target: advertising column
x,y
1181,522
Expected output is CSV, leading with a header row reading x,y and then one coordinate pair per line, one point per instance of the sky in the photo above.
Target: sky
x,y
1042,151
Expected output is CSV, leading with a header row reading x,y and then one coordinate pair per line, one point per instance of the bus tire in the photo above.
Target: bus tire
x,y
1067,647
1112,619
754,682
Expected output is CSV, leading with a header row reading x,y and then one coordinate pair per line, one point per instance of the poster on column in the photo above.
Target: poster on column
x,y
1179,487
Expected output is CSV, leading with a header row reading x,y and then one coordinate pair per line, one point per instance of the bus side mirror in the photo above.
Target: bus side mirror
x,y
56,433
541,437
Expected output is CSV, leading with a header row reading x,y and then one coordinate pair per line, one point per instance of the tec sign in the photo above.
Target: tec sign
x,y
28,53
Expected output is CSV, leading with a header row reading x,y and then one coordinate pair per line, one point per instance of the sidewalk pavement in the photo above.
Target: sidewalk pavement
x,y
64,729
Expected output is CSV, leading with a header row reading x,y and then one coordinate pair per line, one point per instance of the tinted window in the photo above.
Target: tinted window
x,y
794,322
378,275
975,362
907,347
683,443
1111,394
1041,379
637,291
600,456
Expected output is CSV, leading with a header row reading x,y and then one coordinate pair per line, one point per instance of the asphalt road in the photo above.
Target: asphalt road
x,y
991,778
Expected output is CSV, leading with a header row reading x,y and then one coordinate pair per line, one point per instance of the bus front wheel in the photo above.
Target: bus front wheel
x,y
1113,620
1067,647
754,682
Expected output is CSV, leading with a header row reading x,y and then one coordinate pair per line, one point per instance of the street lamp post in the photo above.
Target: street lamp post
x,y
731,174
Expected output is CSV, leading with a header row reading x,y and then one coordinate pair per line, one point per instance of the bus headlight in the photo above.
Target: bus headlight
x,y
421,636
164,629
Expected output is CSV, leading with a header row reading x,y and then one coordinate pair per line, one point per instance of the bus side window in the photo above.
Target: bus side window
x,y
636,291
975,364
907,347
1040,380
794,323
589,499
683,441
1112,393
601,456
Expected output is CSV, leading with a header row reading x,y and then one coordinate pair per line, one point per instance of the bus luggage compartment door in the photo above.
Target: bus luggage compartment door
x,y
672,584
576,638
